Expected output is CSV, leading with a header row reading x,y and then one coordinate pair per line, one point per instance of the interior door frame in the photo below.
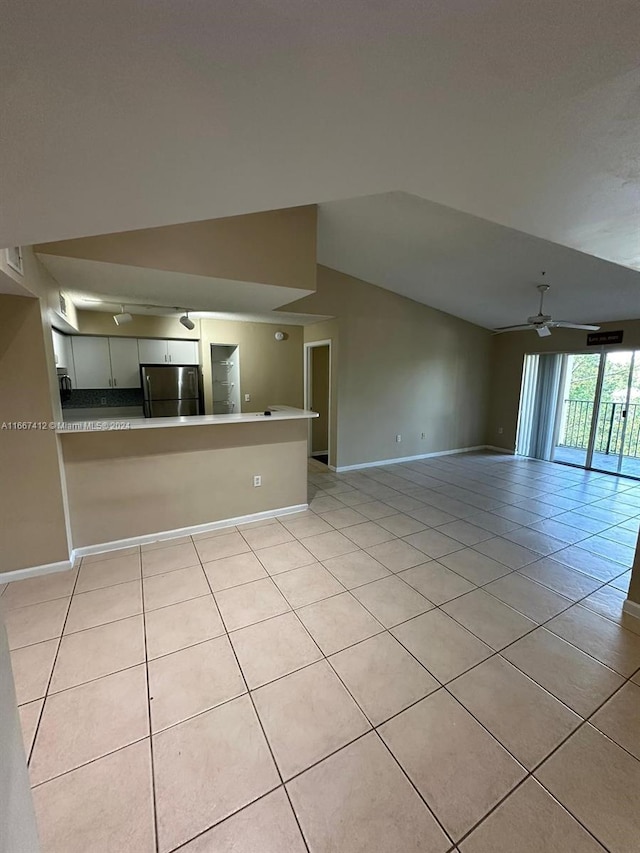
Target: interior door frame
x,y
308,372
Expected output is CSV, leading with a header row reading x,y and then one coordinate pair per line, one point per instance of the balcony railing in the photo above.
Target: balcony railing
x,y
610,429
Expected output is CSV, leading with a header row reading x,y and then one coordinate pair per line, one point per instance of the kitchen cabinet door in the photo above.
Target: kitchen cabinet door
x,y
125,367
152,351
92,362
183,352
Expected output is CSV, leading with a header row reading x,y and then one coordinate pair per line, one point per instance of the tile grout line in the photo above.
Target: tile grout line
x,y
530,774
257,715
53,666
149,697
370,730
577,602
351,646
396,625
373,727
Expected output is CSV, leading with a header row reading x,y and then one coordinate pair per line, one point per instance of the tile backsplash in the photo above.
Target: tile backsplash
x,y
92,398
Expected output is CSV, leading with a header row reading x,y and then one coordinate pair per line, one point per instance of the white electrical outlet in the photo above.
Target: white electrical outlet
x,y
398,438
423,435
103,401
500,430
257,480
247,398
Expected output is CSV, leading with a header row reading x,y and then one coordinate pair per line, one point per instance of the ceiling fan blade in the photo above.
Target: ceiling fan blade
x,y
543,331
562,324
501,329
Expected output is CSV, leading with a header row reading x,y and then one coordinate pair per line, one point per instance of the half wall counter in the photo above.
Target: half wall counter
x,y
161,478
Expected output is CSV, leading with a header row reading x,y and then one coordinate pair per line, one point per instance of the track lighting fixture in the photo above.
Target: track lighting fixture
x,y
186,322
122,318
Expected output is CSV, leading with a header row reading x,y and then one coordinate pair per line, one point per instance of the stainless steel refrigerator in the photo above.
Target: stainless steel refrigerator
x,y
171,391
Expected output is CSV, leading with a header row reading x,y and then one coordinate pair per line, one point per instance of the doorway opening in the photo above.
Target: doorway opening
x,y
582,409
225,378
317,398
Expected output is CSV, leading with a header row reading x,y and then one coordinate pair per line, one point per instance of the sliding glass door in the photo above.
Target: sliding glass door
x,y
611,423
582,409
576,408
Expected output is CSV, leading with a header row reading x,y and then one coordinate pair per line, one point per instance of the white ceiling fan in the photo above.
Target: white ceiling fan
x,y
543,323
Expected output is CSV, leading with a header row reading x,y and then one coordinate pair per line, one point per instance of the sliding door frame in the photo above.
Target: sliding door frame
x,y
597,401
602,352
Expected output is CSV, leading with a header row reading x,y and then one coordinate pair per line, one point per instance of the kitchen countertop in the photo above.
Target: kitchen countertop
x,y
112,424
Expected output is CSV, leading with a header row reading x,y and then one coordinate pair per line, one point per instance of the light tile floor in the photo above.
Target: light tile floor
x,y
432,658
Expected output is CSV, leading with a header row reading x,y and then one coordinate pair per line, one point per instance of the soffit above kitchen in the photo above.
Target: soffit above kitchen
x,y
119,284
125,116
240,264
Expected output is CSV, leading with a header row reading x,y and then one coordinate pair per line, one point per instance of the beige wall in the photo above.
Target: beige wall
x,y
18,833
36,281
320,398
507,358
123,484
271,371
31,499
142,326
403,368
274,247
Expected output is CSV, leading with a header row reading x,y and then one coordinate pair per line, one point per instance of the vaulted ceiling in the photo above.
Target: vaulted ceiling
x,y
125,115
455,147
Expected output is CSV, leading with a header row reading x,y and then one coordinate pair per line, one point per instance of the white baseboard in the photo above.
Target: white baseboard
x,y
34,571
320,453
116,545
499,449
631,608
342,468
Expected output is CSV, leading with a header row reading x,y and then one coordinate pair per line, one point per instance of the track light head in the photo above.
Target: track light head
x,y
122,318
186,322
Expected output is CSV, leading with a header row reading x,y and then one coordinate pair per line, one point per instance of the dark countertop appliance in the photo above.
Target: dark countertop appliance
x,y
171,390
64,383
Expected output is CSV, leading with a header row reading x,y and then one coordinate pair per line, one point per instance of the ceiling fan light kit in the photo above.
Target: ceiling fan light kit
x,y
543,323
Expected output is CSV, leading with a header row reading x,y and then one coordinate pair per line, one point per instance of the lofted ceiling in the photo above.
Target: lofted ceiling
x,y
128,115
469,267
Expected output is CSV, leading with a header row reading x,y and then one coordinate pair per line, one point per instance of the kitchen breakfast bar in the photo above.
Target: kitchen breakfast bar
x,y
161,478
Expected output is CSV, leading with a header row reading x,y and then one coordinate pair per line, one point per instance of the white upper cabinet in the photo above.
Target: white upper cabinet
x,y
183,352
125,367
167,352
115,362
92,362
152,351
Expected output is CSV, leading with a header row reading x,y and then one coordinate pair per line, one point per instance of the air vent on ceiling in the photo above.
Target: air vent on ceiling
x,y
14,258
